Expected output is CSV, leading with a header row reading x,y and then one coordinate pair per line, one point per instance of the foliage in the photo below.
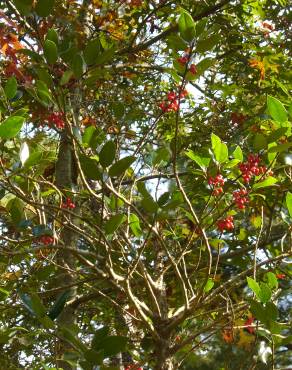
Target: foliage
x,y
145,184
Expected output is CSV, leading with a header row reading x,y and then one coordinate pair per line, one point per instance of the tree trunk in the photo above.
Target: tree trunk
x,y
65,178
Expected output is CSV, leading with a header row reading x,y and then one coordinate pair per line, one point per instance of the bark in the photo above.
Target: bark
x,y
65,178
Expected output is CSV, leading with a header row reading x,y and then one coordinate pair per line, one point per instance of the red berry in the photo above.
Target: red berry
x,y
171,96
193,69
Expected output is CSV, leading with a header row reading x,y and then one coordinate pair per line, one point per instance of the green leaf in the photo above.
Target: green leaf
x,y
237,154
203,65
3,294
10,87
259,142
265,293
92,51
202,162
186,26
11,127
77,66
98,337
200,26
50,51
265,183
23,6
44,76
271,311
118,109
149,204
112,345
107,154
208,43
272,280
59,305
134,224
280,148
254,286
52,35
289,202
94,357
276,110
220,149
66,77
114,223
258,311
90,167
70,337
121,166
44,7
209,285
37,305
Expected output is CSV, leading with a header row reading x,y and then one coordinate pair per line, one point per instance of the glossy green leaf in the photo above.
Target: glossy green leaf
x,y
134,224
99,336
66,77
237,154
202,162
220,149
3,294
149,204
10,87
276,109
107,154
94,357
90,167
208,43
59,304
271,311
114,223
269,181
280,148
11,127
44,7
254,286
50,51
77,66
113,345
258,311
23,6
186,26
53,36
92,51
265,293
209,285
259,142
289,202
121,166
272,280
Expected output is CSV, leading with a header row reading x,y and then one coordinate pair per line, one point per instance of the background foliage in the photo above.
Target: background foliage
x,y
145,184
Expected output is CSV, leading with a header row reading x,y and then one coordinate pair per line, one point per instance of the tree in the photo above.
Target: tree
x,y
145,181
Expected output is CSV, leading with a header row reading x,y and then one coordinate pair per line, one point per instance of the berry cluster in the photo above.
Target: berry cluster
x,y
251,168
217,183
184,60
240,198
225,224
56,119
172,102
46,240
68,204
